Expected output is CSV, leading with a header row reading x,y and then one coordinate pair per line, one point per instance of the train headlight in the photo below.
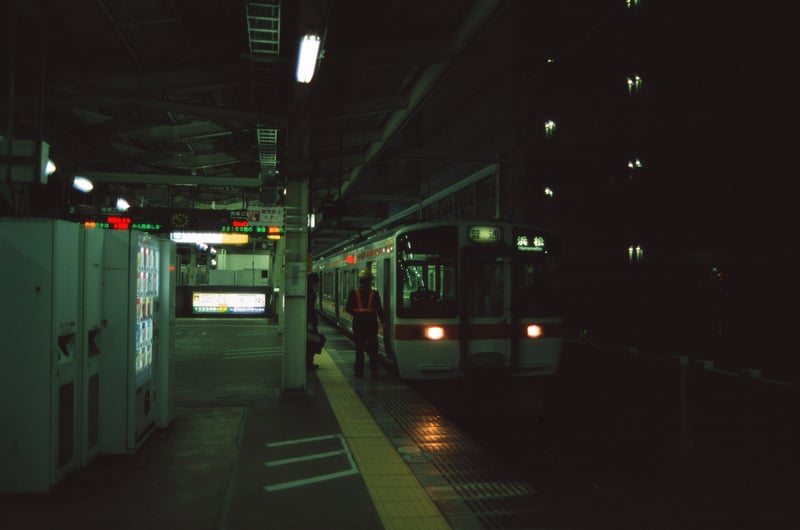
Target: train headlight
x,y
434,332
534,331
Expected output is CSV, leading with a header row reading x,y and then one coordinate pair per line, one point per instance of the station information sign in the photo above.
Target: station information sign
x,y
256,222
228,302
266,216
118,222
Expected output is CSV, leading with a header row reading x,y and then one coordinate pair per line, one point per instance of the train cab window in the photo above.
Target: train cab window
x,y
484,279
536,285
426,280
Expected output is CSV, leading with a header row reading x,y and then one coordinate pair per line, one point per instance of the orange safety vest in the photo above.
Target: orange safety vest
x,y
360,307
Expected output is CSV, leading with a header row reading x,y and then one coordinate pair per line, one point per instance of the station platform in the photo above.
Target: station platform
x,y
244,454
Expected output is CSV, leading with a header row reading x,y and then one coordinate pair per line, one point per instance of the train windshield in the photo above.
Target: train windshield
x,y
426,279
535,285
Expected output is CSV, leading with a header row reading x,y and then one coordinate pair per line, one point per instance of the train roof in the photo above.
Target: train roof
x,y
381,237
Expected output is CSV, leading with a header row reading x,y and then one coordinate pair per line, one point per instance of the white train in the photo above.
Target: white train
x,y
459,296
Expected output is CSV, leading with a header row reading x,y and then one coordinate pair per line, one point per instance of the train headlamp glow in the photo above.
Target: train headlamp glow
x,y
534,331
434,332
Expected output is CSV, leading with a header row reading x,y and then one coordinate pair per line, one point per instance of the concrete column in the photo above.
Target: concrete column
x,y
192,269
296,259
278,275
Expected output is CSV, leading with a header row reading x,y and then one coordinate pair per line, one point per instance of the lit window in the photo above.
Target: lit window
x,y
634,166
635,253
634,85
549,128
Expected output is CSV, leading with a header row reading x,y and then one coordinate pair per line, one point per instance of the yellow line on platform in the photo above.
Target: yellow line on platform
x,y
401,501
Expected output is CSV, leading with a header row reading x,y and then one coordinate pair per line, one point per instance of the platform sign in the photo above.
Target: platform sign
x,y
244,227
266,215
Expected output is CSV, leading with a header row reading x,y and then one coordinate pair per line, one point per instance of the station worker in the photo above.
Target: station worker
x,y
364,304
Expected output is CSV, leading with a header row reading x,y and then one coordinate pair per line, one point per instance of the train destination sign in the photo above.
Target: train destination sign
x,y
530,244
485,234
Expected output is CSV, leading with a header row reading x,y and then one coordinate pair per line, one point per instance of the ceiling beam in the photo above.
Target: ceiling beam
x,y
139,82
391,56
462,35
268,120
374,197
333,141
450,156
187,132
378,105
168,179
333,163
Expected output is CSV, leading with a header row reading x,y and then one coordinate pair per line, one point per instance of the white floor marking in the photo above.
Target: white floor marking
x,y
319,478
238,353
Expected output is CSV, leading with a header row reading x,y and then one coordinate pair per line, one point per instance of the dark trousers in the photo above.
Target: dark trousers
x,y
365,336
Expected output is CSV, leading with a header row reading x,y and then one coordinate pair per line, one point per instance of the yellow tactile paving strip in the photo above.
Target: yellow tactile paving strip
x,y
401,501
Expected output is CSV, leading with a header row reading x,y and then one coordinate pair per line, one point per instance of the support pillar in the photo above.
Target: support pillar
x,y
278,276
296,270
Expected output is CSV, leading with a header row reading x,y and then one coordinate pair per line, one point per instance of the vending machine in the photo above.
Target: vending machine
x,y
90,352
165,326
40,372
131,274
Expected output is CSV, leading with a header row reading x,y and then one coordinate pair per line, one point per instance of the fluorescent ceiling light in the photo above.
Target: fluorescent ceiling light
x,y
307,58
82,184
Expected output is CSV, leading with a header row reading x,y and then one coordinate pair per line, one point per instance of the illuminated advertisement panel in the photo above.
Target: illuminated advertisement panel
x,y
208,303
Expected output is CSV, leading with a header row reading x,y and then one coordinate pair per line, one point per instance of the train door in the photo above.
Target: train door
x,y
486,320
335,296
385,285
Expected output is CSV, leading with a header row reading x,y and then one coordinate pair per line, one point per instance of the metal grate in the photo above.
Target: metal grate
x,y
264,36
267,148
264,29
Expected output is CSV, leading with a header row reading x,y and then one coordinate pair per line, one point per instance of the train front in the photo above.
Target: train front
x,y
476,298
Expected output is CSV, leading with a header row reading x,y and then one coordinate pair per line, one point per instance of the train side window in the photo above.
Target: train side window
x,y
325,289
346,283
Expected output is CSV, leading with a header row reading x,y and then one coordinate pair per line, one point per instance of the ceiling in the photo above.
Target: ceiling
x,y
193,104
178,104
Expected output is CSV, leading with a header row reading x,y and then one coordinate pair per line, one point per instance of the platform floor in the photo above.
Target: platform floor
x,y
243,454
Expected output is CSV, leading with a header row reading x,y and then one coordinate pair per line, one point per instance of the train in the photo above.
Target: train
x,y
461,297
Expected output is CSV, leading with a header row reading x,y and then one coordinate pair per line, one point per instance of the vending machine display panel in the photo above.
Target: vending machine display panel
x,y
147,265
